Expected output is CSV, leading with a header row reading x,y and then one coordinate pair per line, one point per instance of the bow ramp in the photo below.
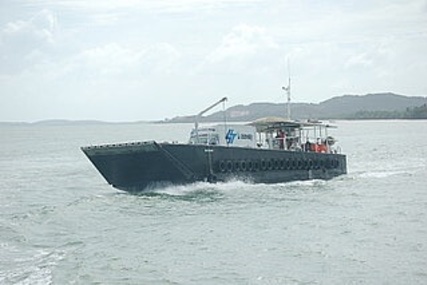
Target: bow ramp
x,y
134,166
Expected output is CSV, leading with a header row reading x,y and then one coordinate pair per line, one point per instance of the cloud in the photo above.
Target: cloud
x,y
164,5
242,42
109,12
113,60
91,83
23,42
246,49
40,27
66,56
372,55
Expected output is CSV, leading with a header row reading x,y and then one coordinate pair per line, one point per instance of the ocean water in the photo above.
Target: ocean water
x,y
60,223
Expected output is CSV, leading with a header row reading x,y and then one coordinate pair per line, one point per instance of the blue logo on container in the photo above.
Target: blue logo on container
x,y
230,136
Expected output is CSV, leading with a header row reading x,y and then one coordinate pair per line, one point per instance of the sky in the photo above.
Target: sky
x,y
128,60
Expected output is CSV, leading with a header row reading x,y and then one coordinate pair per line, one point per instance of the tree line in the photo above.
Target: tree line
x,y
410,113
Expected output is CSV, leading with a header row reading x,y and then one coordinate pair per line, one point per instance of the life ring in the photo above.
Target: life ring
x,y
316,164
276,164
305,164
243,165
250,165
282,164
288,164
236,166
336,163
270,164
294,164
256,165
222,166
310,164
229,166
263,164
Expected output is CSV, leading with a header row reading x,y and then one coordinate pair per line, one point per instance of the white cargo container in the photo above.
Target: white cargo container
x,y
229,135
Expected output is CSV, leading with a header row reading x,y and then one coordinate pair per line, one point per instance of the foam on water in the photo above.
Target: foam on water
x,y
198,187
380,174
230,186
32,268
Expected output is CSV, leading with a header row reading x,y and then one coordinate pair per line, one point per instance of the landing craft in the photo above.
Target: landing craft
x,y
268,150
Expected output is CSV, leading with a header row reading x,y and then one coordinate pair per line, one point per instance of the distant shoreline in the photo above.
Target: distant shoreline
x,y
380,106
88,123
61,122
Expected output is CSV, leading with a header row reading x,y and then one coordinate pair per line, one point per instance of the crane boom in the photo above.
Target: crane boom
x,y
200,114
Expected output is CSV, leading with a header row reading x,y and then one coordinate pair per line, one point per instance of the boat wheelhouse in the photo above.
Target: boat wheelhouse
x,y
270,133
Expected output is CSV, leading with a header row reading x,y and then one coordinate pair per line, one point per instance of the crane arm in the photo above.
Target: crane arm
x,y
196,123
211,107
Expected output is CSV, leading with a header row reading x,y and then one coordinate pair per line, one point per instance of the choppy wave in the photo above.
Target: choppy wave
x,y
31,268
380,174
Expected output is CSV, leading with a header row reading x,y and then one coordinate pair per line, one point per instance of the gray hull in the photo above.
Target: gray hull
x,y
134,167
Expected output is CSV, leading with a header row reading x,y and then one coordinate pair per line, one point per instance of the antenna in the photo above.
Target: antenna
x,y
287,89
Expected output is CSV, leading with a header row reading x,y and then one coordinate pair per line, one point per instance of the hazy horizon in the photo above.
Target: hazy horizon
x,y
126,61
59,121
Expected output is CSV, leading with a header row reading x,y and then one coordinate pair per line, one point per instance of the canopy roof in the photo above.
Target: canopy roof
x,y
277,123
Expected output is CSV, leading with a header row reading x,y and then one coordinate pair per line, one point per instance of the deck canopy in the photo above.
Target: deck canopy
x,y
280,133
269,124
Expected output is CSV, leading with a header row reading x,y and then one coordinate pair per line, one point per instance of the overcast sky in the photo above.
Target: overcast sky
x,y
128,60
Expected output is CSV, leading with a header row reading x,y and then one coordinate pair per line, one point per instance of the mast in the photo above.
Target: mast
x,y
287,89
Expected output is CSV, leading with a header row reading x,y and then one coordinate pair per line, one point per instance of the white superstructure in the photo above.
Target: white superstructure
x,y
225,135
